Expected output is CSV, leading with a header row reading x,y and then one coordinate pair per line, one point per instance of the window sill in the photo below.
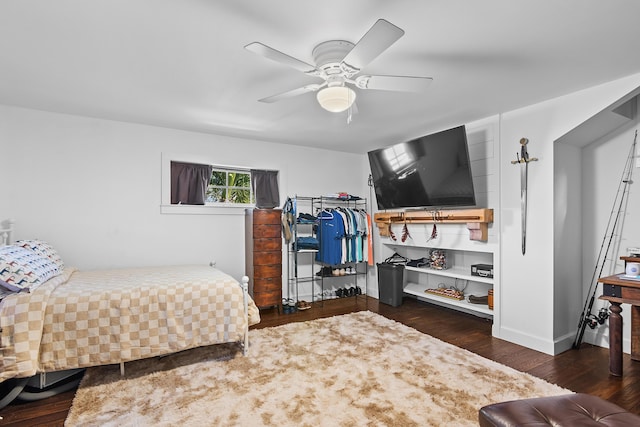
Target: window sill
x,y
230,209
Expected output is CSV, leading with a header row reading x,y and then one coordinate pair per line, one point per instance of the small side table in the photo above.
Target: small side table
x,y
618,290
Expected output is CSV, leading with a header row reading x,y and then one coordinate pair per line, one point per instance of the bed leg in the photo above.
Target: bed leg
x,y
122,369
245,292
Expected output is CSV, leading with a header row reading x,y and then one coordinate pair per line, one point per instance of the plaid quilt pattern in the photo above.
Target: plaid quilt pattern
x,y
89,318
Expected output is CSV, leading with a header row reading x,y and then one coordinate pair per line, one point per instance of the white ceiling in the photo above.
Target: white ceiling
x,y
182,63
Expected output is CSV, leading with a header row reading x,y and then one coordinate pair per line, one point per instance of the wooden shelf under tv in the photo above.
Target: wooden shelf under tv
x,y
477,220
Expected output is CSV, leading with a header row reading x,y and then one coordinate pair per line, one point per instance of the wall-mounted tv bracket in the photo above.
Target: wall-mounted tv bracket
x,y
523,159
477,220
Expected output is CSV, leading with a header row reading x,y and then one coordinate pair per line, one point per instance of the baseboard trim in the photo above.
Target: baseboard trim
x,y
527,340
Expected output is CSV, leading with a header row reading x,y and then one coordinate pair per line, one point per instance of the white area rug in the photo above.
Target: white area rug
x,y
358,369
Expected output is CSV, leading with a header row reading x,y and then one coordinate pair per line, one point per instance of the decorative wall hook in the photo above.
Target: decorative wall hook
x,y
523,159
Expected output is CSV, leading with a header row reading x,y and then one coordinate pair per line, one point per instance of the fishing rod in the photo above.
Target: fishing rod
x,y
587,317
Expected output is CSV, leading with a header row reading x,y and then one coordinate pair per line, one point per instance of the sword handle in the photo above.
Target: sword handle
x,y
523,156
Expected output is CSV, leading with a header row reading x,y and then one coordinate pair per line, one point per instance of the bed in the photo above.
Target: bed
x,y
72,319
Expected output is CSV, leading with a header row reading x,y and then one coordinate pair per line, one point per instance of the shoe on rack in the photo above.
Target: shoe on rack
x,y
324,272
303,305
286,308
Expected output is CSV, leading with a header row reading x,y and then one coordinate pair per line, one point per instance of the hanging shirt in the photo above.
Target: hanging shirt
x,y
369,242
356,255
330,237
361,221
344,256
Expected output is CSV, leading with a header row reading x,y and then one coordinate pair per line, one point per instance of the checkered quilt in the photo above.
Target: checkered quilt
x,y
88,318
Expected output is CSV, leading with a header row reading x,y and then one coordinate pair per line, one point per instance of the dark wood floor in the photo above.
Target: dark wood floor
x,y
584,370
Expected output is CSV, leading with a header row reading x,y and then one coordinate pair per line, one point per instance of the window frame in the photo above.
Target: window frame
x,y
207,209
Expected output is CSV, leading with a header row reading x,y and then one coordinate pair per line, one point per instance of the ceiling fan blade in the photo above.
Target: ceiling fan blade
x,y
283,58
292,93
394,83
379,37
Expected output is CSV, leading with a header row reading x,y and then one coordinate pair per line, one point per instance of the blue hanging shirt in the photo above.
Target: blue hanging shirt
x,y
330,235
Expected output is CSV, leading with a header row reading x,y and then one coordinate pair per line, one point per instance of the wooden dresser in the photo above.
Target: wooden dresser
x,y
263,256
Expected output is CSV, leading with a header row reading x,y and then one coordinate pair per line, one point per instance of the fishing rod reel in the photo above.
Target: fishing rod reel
x,y
592,320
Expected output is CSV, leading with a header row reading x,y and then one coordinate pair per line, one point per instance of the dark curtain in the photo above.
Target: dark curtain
x,y
265,188
189,183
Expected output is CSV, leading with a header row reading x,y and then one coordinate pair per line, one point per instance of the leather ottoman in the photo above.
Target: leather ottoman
x,y
565,410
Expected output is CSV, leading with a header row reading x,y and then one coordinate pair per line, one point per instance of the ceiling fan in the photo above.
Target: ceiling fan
x,y
338,62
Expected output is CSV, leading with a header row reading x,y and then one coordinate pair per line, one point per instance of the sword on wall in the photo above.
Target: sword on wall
x,y
523,159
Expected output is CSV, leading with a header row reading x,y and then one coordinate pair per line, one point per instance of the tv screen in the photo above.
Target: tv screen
x,y
432,171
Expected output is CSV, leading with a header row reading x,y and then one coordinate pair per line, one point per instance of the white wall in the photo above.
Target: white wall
x,y
92,188
529,282
604,163
567,241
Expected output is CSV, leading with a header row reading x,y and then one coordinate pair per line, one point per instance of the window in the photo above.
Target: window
x,y
229,186
194,184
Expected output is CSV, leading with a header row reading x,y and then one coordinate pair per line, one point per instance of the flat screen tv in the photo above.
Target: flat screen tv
x,y
432,171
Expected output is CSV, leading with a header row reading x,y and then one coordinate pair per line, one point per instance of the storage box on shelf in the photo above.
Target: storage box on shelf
x,y
308,278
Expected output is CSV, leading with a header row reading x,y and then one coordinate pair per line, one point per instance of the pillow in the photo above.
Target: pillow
x,y
44,249
24,269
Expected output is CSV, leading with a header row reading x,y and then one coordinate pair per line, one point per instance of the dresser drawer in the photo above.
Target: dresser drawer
x,y
267,258
270,244
631,293
267,284
267,299
261,231
612,291
267,216
265,271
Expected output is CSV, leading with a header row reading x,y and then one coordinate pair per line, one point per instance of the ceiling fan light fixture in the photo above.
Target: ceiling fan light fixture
x,y
336,98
